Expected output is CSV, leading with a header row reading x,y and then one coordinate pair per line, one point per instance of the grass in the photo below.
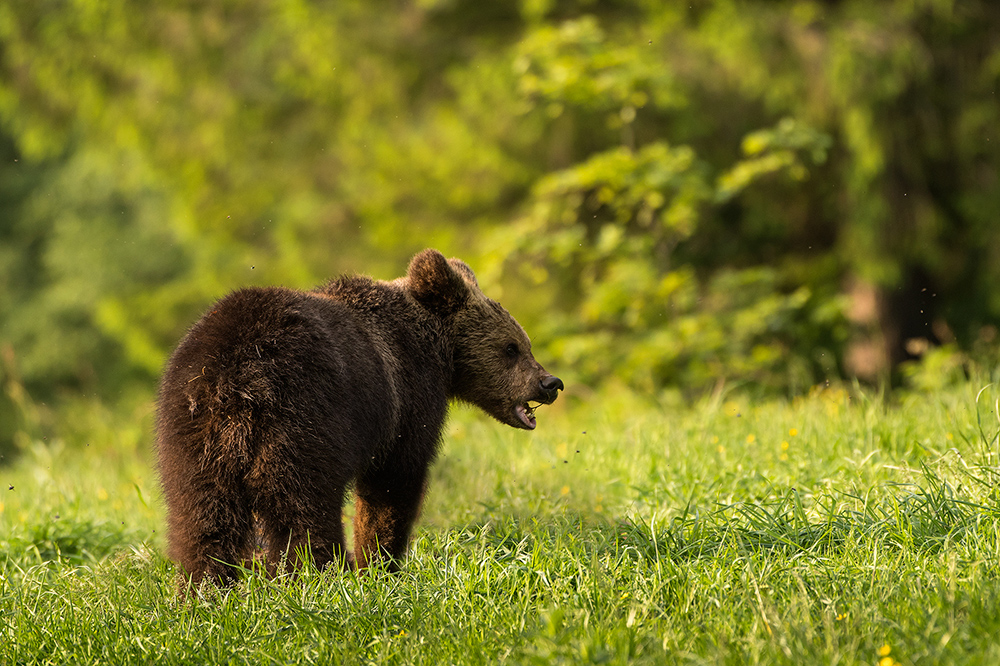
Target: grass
x,y
828,529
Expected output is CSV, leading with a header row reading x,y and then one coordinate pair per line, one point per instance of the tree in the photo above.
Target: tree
x,y
694,187
690,261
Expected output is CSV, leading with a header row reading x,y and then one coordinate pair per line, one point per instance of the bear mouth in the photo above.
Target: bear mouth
x,y
525,414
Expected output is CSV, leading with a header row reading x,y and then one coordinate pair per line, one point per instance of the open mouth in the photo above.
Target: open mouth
x,y
526,415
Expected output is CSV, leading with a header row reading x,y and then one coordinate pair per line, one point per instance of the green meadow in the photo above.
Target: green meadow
x,y
841,527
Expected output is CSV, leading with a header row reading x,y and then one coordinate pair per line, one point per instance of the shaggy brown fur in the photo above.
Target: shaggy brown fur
x,y
277,400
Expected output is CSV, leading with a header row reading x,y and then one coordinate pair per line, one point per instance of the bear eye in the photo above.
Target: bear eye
x,y
512,350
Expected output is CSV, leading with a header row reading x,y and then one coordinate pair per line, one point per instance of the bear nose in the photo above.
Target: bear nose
x,y
551,383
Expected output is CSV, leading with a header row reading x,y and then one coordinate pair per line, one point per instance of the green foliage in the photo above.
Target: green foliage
x,y
775,150
685,190
573,65
687,262
609,239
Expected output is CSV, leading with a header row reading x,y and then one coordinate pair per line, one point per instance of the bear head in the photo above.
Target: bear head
x,y
494,368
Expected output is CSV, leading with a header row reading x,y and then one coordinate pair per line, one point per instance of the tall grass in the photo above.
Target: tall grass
x,y
833,528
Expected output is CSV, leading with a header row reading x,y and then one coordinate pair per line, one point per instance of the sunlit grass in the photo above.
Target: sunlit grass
x,y
830,529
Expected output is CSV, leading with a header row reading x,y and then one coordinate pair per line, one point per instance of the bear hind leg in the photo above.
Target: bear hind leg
x,y
294,534
210,533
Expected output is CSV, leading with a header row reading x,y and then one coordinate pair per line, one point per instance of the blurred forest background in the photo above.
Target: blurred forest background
x,y
670,196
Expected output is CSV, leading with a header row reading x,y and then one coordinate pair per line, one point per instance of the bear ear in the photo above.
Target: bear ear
x,y
435,284
463,269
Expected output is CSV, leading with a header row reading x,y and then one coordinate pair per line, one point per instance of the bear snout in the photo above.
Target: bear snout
x,y
550,386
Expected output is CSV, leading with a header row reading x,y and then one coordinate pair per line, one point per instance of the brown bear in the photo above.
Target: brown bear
x,y
276,401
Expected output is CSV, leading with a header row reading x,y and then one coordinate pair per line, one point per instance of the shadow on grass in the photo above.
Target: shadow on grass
x,y
66,541
924,518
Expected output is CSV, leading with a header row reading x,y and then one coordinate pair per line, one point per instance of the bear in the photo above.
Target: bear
x,y
277,402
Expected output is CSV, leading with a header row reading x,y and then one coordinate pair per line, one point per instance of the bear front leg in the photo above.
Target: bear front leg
x,y
387,504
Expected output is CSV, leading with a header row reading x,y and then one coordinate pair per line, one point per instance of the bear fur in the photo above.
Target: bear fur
x,y
277,401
